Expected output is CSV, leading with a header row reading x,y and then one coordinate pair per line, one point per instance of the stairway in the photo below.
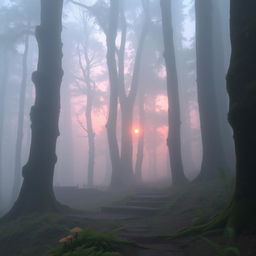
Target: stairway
x,y
139,205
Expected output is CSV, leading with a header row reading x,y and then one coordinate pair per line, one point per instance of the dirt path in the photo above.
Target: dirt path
x,y
130,215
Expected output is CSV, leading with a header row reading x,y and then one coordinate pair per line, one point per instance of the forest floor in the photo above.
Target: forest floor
x,y
108,210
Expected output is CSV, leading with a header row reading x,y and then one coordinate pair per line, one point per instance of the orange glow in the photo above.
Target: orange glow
x,y
136,131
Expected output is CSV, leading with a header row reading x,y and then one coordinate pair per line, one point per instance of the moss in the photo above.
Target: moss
x,y
238,216
32,234
92,243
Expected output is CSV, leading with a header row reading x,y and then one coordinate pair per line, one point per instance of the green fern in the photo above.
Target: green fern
x,y
89,243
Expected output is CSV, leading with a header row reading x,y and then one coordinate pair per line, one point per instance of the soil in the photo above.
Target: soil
x,y
131,212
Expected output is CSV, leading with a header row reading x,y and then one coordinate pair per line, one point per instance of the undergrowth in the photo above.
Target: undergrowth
x,y
31,234
228,249
89,243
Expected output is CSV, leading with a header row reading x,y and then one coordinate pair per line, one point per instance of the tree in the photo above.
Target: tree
x,y
241,86
16,28
110,28
140,146
213,153
36,193
114,84
174,139
127,101
90,90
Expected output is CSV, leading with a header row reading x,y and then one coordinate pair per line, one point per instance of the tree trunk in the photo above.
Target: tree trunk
x,y
213,154
127,101
241,84
140,147
174,139
127,142
113,102
36,193
3,86
18,151
88,114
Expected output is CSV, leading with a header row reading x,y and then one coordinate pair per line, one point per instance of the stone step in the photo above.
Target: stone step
x,y
135,230
133,210
147,203
153,197
152,193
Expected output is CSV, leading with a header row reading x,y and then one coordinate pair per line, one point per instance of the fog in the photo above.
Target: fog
x,y
86,75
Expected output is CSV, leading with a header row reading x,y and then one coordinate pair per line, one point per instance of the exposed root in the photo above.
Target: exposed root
x,y
216,224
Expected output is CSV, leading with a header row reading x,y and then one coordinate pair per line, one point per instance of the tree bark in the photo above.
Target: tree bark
x,y
113,102
174,139
36,193
241,85
140,147
18,150
3,86
213,153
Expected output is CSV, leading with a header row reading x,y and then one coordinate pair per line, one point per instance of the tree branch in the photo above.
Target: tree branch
x,y
81,5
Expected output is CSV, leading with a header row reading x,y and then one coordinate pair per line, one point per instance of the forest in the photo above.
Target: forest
x,y
127,127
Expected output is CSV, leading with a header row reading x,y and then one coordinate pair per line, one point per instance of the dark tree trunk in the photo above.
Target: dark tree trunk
x,y
18,151
3,86
241,85
36,193
213,153
127,142
174,139
127,101
140,147
113,102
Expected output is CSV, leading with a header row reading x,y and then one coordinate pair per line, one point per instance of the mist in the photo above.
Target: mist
x,y
141,106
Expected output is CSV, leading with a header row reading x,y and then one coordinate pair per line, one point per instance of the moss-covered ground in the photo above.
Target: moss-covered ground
x,y
194,204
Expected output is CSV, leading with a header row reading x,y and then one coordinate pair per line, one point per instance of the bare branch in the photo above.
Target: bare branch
x,y
80,62
81,125
81,88
81,5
